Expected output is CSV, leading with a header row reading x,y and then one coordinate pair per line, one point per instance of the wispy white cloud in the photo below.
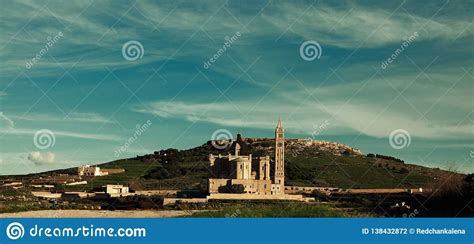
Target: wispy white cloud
x,y
352,111
354,26
72,117
41,157
97,136
348,26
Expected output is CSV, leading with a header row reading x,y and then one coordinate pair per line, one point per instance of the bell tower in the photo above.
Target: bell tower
x,y
280,156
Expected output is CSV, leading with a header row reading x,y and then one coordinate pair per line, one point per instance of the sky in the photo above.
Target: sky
x,y
78,79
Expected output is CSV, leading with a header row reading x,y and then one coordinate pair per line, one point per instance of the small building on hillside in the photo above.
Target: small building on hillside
x,y
116,189
87,170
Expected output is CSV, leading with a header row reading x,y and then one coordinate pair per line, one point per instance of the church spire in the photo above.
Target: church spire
x,y
279,179
279,125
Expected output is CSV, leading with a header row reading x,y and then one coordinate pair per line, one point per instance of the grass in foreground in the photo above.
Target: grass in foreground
x,y
277,210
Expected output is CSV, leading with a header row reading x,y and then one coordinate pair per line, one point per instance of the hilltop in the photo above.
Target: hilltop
x,y
307,163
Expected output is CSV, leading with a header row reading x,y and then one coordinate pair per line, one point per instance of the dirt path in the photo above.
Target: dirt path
x,y
98,214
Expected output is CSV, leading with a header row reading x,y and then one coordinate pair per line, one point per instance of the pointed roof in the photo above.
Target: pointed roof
x,y
279,125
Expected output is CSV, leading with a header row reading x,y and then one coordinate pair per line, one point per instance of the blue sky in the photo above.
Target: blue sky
x,y
91,98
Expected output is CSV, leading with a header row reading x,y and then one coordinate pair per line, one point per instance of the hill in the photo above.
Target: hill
x,y
307,163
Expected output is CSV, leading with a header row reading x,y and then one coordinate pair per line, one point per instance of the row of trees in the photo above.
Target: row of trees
x,y
371,155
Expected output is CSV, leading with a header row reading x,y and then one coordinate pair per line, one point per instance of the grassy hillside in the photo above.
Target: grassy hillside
x,y
305,166
356,172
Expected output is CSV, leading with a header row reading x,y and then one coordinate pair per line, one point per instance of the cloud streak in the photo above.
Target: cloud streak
x,y
304,117
96,136
75,117
355,26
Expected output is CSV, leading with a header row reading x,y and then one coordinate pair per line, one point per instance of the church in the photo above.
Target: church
x,y
241,173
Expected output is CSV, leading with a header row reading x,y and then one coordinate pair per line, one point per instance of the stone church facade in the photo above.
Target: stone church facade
x,y
241,173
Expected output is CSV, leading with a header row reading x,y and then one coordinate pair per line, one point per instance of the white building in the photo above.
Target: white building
x,y
116,189
87,170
